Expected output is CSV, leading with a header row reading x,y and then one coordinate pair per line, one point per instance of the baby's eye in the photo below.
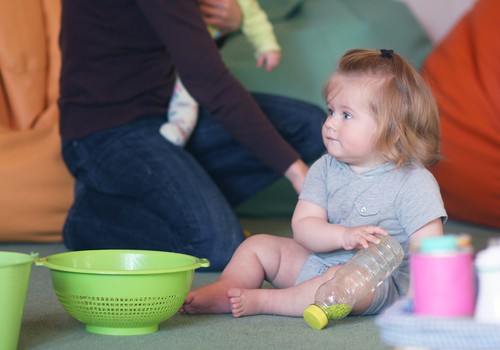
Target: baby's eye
x,y
347,116
329,113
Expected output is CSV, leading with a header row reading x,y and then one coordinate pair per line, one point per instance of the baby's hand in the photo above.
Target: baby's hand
x,y
359,236
271,59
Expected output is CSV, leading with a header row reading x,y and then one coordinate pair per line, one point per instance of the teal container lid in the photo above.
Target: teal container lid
x,y
439,244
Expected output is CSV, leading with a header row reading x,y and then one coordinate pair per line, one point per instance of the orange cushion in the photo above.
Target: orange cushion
x,y
36,188
464,73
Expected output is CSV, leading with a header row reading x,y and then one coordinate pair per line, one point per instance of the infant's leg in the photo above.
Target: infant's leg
x,y
260,257
290,301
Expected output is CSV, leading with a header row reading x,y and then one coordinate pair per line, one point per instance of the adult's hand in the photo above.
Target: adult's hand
x,y
222,14
296,174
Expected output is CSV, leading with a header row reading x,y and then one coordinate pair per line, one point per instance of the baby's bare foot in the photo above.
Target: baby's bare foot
x,y
211,299
245,302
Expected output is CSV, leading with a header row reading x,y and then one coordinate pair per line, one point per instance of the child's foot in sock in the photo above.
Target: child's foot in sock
x,y
173,133
182,116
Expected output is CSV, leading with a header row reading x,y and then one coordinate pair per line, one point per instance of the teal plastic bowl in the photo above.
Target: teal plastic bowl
x,y
121,292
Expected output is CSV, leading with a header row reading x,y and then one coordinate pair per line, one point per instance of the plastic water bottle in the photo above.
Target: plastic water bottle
x,y
488,269
352,282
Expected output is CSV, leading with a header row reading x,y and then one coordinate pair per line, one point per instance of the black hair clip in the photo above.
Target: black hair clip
x,y
386,53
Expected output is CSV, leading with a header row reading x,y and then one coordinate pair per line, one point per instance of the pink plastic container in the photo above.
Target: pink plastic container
x,y
443,280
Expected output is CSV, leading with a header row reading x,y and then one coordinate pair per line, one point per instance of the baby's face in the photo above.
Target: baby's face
x,y
349,132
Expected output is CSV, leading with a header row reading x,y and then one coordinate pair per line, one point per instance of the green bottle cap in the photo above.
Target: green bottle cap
x,y
439,244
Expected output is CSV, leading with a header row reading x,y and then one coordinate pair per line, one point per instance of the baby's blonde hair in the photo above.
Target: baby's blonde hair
x,y
406,112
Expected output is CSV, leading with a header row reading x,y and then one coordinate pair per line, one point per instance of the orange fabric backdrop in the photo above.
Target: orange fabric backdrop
x,y
464,73
36,190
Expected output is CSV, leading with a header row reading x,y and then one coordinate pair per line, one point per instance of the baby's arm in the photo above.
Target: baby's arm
x,y
312,230
433,228
260,32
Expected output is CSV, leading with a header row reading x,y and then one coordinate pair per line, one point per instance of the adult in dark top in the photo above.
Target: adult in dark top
x,y
133,188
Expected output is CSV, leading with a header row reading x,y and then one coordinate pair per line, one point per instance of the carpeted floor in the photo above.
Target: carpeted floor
x,y
46,325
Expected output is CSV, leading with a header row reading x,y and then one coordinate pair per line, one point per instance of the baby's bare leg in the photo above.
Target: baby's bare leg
x,y
290,301
260,257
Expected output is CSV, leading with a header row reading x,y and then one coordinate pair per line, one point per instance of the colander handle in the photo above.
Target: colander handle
x,y
204,262
40,261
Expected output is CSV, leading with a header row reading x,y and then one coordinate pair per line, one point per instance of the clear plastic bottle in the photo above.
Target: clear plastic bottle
x,y
366,270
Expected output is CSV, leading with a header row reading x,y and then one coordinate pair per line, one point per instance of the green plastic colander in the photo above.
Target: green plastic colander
x,y
121,292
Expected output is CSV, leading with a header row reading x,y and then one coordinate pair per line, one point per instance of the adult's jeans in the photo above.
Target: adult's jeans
x,y
135,190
